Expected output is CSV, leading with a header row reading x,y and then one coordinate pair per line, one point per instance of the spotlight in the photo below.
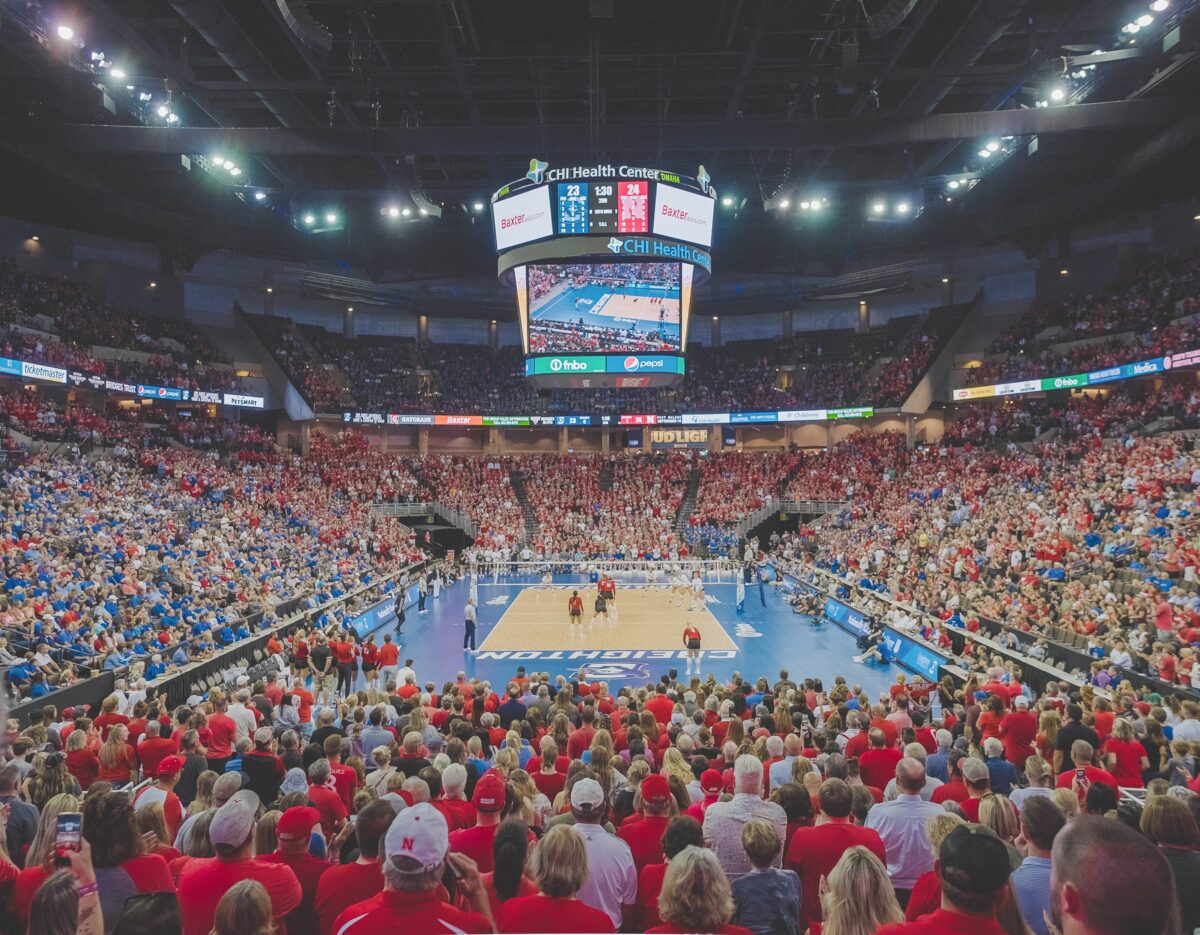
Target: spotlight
x,y
1064,272
1159,5
1145,20
260,196
785,203
393,211
117,73
903,208
172,118
162,110
727,201
269,290
478,206
878,208
816,204
228,164
331,218
406,211
1131,28
145,97
954,183
1058,94
152,284
424,213
804,205
35,238
66,33
218,161
235,171
992,146
309,219
945,279
985,154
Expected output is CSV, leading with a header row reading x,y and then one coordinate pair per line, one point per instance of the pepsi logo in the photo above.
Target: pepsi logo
x,y
632,363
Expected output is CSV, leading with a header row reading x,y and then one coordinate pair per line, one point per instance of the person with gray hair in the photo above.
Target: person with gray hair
x,y
224,788
937,764
901,825
416,850
781,771
723,821
917,752
325,799
1004,776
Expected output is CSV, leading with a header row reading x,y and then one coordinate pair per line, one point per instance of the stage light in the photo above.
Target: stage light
x,y
785,203
260,196
1159,5
145,97
117,73
1058,94
1145,20
406,212
816,204
1064,272
985,154
804,205
152,284
992,146
218,161
727,201
163,110
228,164
945,279
1130,28
879,207
66,33
393,211
309,219
424,213
331,218
954,183
269,290
478,206
235,171
35,238
903,208
172,118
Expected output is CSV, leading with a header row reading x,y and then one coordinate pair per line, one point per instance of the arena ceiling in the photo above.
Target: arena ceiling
x,y
355,106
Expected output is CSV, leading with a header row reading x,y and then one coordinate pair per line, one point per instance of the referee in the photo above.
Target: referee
x,y
469,625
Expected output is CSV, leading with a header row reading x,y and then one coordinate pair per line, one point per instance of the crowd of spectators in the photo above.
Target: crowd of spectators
x,y
309,375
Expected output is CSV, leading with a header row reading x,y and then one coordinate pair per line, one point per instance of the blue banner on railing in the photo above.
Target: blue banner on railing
x,y
375,617
846,616
912,655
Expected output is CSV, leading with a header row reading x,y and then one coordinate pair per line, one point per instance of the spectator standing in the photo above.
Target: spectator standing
x,y
696,896
723,821
611,884
343,885
560,868
1041,821
767,900
901,826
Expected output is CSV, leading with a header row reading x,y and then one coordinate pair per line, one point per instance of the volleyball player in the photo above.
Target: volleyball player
x,y
575,610
679,587
697,592
601,606
608,587
691,642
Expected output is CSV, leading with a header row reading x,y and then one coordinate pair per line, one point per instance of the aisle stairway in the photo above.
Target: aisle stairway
x,y
517,479
606,476
687,506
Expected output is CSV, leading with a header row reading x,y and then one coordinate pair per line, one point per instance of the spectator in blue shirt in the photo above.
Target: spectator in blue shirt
x,y
1002,774
1041,821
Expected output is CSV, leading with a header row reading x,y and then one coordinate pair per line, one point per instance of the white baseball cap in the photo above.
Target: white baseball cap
x,y
419,832
587,794
234,821
1021,701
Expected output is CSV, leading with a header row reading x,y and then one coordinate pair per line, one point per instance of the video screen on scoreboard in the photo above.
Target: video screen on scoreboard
x,y
605,308
603,207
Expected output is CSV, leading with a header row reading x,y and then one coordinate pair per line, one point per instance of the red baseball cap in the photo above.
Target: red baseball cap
x,y
169,765
711,781
489,793
298,822
655,789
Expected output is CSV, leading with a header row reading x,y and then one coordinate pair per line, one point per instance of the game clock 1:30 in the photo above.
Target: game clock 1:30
x,y
587,207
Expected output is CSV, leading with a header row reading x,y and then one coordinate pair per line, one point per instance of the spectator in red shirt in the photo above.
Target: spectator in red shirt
x,y
415,854
81,762
203,880
453,804
696,896
560,868
153,747
1126,758
293,832
877,765
476,842
109,716
644,836
711,784
223,732
325,798
682,831
345,779
343,885
548,779
1082,753
814,852
162,792
1018,730
978,782
581,737
660,705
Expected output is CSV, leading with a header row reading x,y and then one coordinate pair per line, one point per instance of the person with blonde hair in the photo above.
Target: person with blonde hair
x,y
857,896
152,824
245,909
118,762
266,840
1067,801
560,867
1169,824
696,896
674,764
377,779
767,900
1040,778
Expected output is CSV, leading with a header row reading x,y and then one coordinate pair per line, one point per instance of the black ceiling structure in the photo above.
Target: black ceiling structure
x,y
433,104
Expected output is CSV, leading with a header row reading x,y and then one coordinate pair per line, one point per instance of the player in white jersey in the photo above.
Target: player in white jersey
x,y
697,592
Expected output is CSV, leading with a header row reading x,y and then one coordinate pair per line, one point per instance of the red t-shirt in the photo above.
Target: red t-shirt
x,y
953,791
814,852
476,843
303,919
645,839
204,880
1093,774
342,886
1018,731
525,887
84,766
329,804
542,913
650,884
944,922
423,913
346,780
123,764
926,896
223,730
152,752
730,929
389,654
1128,769
459,813
550,784
877,767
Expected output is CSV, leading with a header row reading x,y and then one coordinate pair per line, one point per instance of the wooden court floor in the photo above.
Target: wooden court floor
x,y
645,618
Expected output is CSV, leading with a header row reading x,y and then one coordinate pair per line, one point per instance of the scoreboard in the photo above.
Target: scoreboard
x,y
603,207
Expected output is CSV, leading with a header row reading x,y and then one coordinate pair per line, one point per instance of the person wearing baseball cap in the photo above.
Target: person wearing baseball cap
x,y
611,884
204,880
294,831
1018,731
416,850
644,836
166,775
476,842
712,784
263,767
978,780
974,868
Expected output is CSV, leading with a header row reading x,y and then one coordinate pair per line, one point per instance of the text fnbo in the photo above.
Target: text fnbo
x,y
567,363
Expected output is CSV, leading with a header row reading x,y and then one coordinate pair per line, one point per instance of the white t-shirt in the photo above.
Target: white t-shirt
x,y
612,875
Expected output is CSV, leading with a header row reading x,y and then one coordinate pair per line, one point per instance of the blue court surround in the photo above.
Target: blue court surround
x,y
768,638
